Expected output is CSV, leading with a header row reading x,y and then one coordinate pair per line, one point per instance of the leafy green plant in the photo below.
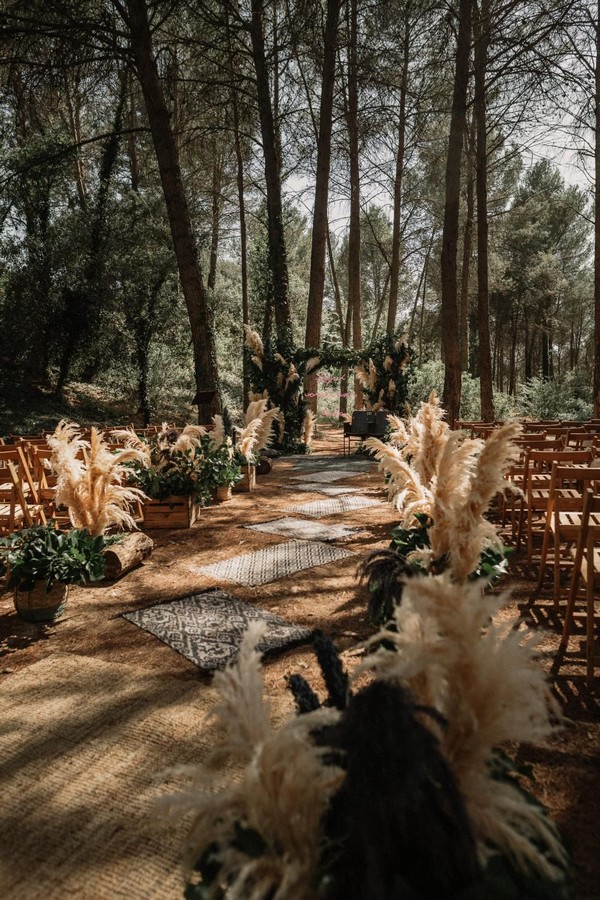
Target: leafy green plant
x,y
221,467
178,472
387,570
42,553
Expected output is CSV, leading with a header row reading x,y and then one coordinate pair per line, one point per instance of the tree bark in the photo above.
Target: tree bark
x,y
320,229
217,175
465,277
354,233
398,180
482,29
184,244
597,223
450,333
275,226
128,553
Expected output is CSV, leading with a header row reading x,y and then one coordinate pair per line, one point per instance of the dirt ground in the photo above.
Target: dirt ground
x,y
567,772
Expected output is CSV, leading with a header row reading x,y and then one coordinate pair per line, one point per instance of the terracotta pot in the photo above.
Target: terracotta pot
x,y
40,605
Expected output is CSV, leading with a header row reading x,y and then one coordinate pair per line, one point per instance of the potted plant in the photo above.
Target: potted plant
x,y
222,470
247,464
42,562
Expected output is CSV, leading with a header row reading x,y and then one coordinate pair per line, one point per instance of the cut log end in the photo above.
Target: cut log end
x,y
126,555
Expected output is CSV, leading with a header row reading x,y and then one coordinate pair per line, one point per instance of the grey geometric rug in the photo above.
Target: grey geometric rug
x,y
272,563
319,508
207,628
315,487
331,462
325,477
303,528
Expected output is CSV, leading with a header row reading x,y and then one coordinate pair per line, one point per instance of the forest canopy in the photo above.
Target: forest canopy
x,y
325,172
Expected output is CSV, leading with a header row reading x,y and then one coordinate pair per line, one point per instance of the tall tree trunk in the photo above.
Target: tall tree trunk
x,y
275,226
398,180
320,229
482,29
597,223
465,277
241,191
217,175
165,148
450,333
354,233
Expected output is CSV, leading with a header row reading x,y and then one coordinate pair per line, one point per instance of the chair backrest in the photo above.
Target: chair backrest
x,y
18,494
360,421
577,478
542,460
381,420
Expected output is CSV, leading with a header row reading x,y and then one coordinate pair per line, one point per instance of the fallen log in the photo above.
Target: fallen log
x,y
129,552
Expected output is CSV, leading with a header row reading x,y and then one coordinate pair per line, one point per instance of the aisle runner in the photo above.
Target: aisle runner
x,y
325,477
320,488
273,563
301,528
320,508
208,628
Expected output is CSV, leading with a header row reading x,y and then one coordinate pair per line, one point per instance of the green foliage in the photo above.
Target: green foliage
x,y
221,467
386,571
42,553
181,473
390,357
567,397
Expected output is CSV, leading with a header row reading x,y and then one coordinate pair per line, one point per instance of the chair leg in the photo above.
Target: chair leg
x,y
544,555
564,641
556,584
590,629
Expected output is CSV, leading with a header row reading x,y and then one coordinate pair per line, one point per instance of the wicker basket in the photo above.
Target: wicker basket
x,y
40,605
223,493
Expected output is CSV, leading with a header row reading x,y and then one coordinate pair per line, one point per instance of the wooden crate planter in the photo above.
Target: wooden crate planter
x,y
248,482
172,512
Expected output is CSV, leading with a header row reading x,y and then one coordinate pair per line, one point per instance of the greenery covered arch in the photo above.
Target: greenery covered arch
x,y
382,369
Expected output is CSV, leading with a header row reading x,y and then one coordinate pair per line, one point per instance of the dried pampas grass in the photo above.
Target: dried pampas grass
x,y
405,489
484,679
93,489
312,364
281,794
308,427
254,342
190,438
218,433
265,435
471,474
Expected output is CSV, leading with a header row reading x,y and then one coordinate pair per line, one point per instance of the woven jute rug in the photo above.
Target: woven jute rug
x,y
328,462
325,476
272,563
83,745
208,628
317,488
320,508
305,529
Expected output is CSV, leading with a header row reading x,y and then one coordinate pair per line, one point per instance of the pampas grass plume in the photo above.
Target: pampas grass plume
x,y
486,682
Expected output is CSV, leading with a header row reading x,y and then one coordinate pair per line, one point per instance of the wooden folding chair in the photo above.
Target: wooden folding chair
x,y
19,503
586,568
537,474
563,516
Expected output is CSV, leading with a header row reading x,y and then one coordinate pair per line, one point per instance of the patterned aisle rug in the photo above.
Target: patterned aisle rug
x,y
331,462
315,487
207,628
325,477
319,508
273,563
304,529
